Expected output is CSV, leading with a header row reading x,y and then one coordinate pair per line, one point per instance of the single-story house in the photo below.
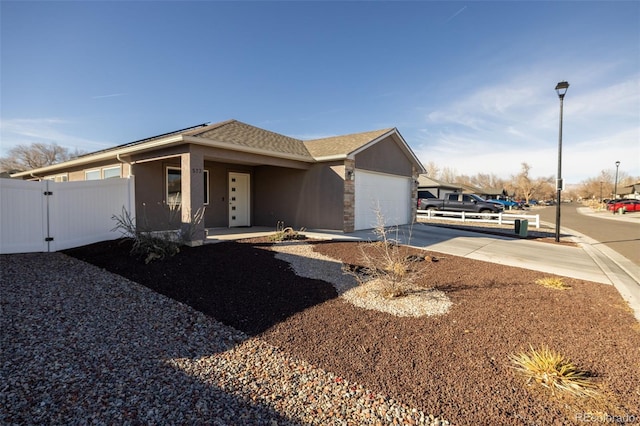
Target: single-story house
x,y
630,191
246,176
433,188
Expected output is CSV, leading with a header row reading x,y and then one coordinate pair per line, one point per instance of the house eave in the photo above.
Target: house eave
x,y
403,145
108,155
246,149
336,157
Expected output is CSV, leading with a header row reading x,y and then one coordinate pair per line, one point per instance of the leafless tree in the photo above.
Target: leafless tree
x,y
26,157
433,171
527,188
448,174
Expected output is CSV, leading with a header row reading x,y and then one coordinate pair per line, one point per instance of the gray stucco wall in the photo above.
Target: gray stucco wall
x,y
311,199
385,157
151,203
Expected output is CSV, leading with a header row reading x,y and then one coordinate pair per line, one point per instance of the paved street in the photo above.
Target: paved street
x,y
621,234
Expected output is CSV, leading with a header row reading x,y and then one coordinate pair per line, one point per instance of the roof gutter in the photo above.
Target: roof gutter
x,y
116,153
333,157
124,162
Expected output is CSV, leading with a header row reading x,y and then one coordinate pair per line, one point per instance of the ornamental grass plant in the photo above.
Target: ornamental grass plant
x,y
553,371
556,283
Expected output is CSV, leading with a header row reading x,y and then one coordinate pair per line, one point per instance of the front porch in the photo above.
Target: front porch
x,y
216,235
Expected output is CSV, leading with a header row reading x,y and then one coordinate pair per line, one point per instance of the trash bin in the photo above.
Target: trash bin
x,y
522,227
517,226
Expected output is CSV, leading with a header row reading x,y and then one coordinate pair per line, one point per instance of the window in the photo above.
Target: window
x,y
111,172
58,178
174,185
92,174
425,194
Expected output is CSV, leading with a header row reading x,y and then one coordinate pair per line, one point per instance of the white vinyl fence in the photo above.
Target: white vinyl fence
x,y
499,218
50,216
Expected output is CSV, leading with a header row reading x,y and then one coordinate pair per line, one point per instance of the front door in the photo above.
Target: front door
x,y
239,200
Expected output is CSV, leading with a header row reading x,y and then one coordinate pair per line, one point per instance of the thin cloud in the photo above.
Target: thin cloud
x,y
495,128
455,14
25,131
113,95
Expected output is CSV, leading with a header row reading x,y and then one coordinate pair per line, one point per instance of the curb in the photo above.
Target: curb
x,y
626,280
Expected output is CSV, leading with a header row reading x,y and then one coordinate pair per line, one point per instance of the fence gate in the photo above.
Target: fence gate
x,y
50,216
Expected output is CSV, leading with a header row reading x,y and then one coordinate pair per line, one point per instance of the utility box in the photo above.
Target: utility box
x,y
522,227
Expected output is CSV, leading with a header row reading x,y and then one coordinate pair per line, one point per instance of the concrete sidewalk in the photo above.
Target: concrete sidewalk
x,y
589,261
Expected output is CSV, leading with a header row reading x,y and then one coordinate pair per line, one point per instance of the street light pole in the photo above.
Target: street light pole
x,y
600,191
615,187
561,89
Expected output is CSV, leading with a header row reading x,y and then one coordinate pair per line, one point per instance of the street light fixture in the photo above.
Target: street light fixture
x,y
561,89
615,187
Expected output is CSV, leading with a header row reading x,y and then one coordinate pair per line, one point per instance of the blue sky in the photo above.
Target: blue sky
x,y
470,85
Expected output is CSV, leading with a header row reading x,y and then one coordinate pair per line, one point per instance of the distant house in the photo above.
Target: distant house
x,y
630,191
244,176
433,188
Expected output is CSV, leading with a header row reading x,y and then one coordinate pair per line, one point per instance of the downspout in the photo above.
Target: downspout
x,y
125,162
131,197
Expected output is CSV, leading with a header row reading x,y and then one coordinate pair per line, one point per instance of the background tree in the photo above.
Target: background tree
x,y
545,188
433,171
447,174
528,188
26,157
524,186
599,187
522,183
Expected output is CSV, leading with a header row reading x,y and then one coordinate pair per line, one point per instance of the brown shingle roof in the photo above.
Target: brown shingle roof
x,y
234,132
341,145
245,137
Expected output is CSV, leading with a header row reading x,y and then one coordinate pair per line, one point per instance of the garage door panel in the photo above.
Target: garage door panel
x,y
386,195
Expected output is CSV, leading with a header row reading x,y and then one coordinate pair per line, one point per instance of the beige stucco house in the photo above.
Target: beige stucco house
x,y
246,176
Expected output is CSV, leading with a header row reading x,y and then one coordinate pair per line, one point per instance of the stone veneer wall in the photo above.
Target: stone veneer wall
x,y
349,197
414,192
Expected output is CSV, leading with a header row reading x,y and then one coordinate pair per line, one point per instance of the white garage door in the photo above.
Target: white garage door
x,y
376,192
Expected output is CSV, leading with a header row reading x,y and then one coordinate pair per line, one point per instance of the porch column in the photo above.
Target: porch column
x,y
349,218
192,188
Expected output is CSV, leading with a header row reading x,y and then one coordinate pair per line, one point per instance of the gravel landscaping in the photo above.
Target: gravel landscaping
x,y
265,345
84,346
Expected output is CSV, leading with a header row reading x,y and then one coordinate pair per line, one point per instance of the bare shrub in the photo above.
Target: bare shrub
x,y
287,233
391,265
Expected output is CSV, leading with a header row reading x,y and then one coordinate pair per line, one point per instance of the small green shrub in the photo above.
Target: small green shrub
x,y
553,371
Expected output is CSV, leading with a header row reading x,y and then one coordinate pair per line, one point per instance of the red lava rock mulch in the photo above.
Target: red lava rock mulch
x,y
455,366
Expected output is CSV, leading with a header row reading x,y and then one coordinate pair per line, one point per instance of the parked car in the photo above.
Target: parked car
x,y
423,194
623,206
507,204
457,202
